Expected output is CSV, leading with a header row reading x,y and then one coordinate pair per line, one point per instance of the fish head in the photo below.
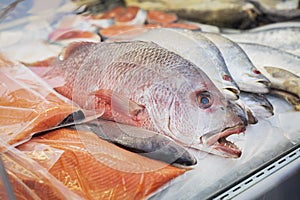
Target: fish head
x,y
253,80
193,112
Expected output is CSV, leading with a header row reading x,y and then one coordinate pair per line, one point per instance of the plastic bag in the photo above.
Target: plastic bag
x,y
109,173
27,104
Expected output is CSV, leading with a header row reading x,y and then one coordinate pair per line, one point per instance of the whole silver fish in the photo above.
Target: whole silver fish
x,y
283,38
244,73
142,84
193,47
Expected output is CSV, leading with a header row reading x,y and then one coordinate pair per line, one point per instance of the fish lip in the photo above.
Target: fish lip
x,y
219,143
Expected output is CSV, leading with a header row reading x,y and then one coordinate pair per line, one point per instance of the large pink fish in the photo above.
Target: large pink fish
x,y
142,84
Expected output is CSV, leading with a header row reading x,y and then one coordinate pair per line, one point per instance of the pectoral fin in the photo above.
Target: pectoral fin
x,y
120,108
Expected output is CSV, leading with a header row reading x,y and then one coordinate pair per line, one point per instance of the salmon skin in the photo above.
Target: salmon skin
x,y
141,84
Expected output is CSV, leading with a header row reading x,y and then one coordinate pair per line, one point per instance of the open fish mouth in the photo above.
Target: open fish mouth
x,y
219,143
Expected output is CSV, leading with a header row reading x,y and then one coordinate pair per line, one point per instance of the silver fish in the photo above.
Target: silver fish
x,y
258,104
262,55
283,38
142,84
244,73
284,80
193,47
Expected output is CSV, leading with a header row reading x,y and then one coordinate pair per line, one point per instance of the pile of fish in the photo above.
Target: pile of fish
x,y
120,110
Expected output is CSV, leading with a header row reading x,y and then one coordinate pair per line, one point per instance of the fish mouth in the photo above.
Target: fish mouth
x,y
231,93
219,143
263,85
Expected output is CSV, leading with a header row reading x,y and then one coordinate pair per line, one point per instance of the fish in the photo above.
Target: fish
x,y
291,98
245,74
259,104
203,27
276,11
234,13
283,38
261,55
142,84
246,111
91,167
27,104
275,25
286,81
193,47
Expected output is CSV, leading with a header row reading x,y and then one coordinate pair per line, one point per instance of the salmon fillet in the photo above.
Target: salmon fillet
x,y
96,169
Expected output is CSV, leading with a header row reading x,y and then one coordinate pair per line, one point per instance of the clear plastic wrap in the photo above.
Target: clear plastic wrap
x,y
27,104
109,173
27,179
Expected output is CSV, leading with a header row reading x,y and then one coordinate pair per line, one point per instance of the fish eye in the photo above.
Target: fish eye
x,y
204,99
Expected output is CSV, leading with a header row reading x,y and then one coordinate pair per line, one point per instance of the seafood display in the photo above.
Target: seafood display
x,y
144,99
